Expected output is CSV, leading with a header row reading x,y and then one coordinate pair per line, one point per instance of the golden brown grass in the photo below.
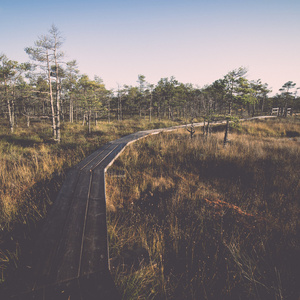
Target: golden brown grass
x,y
217,223
32,169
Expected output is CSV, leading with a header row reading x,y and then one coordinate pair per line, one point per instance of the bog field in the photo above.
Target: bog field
x,y
187,218
32,170
192,219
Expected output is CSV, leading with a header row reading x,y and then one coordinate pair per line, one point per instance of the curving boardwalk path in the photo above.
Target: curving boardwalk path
x,y
71,259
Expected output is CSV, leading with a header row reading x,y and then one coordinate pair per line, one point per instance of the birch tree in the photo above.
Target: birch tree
x,y
56,42
46,53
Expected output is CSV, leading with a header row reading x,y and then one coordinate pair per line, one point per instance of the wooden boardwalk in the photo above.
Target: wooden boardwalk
x,y
71,259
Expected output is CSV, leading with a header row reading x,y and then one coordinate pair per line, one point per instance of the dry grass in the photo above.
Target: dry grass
x,y
32,169
216,223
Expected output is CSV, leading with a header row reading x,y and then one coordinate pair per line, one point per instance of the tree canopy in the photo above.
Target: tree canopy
x,y
51,88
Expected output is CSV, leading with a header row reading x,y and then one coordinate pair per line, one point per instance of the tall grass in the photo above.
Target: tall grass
x,y
216,223
32,169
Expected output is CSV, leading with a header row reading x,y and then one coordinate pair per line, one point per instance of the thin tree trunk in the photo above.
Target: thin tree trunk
x,y
208,128
89,122
140,108
285,108
226,133
108,104
51,97
71,109
9,107
10,115
150,108
158,109
119,107
159,112
121,111
263,104
253,110
83,120
58,137
13,116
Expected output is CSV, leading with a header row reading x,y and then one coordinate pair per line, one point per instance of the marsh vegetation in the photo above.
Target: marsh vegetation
x,y
32,170
195,220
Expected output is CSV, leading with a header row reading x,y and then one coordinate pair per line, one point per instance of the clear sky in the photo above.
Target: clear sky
x,y
197,41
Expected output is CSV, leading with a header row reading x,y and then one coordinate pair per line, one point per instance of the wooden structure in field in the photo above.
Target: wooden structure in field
x,y
275,111
71,258
281,111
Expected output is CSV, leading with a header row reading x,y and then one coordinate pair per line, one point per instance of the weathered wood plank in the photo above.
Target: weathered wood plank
x,y
94,252
66,263
118,149
97,163
94,249
51,233
91,157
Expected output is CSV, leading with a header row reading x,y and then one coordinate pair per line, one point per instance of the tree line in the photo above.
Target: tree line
x,y
50,88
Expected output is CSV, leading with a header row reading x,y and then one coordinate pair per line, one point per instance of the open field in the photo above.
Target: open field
x,y
194,220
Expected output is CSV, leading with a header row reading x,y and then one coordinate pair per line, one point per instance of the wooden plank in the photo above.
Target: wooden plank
x,y
118,148
94,255
88,166
51,233
91,157
63,291
113,147
66,263
99,285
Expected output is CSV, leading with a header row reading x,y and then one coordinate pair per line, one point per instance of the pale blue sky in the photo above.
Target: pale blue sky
x,y
197,41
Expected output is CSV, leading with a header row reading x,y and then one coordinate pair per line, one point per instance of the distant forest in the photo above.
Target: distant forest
x,y
52,89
